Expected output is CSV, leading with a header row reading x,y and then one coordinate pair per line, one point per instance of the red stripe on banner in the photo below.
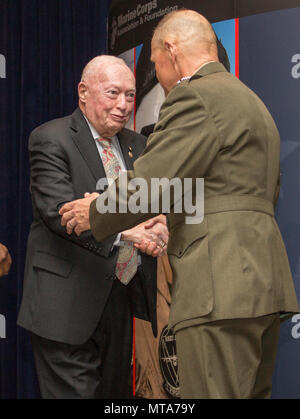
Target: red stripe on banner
x,y
133,357
237,47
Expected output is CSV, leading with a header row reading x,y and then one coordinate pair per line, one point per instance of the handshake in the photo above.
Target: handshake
x,y
150,237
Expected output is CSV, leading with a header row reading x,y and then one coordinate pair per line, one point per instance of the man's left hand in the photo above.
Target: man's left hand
x,y
75,214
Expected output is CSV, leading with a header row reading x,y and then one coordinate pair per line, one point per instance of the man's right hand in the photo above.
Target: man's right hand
x,y
5,260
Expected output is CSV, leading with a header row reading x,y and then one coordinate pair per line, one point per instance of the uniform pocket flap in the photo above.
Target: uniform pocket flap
x,y
184,235
52,264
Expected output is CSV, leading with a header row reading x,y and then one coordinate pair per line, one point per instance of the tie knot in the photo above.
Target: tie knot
x,y
106,142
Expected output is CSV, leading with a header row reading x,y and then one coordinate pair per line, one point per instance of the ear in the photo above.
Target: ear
x,y
171,49
82,91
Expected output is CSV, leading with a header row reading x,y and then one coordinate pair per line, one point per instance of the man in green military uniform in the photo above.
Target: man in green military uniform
x,y
231,275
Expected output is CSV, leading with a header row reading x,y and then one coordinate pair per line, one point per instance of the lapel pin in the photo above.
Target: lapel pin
x,y
130,152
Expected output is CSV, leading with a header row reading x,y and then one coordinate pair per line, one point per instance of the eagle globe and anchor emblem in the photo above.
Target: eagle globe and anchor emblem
x,y
168,362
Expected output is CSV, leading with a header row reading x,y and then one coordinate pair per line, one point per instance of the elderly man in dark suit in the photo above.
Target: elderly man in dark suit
x,y
80,295
231,275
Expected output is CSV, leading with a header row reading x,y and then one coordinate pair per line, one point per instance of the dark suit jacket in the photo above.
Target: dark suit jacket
x,y
68,278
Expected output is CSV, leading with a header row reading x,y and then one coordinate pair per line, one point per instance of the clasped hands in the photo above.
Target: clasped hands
x,y
149,237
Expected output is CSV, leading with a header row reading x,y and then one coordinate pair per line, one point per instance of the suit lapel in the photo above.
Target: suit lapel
x,y
86,145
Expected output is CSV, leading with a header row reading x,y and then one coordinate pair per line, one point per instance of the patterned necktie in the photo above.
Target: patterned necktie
x,y
128,257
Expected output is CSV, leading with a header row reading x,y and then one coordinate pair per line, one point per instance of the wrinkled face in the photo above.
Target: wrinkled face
x,y
107,98
165,71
